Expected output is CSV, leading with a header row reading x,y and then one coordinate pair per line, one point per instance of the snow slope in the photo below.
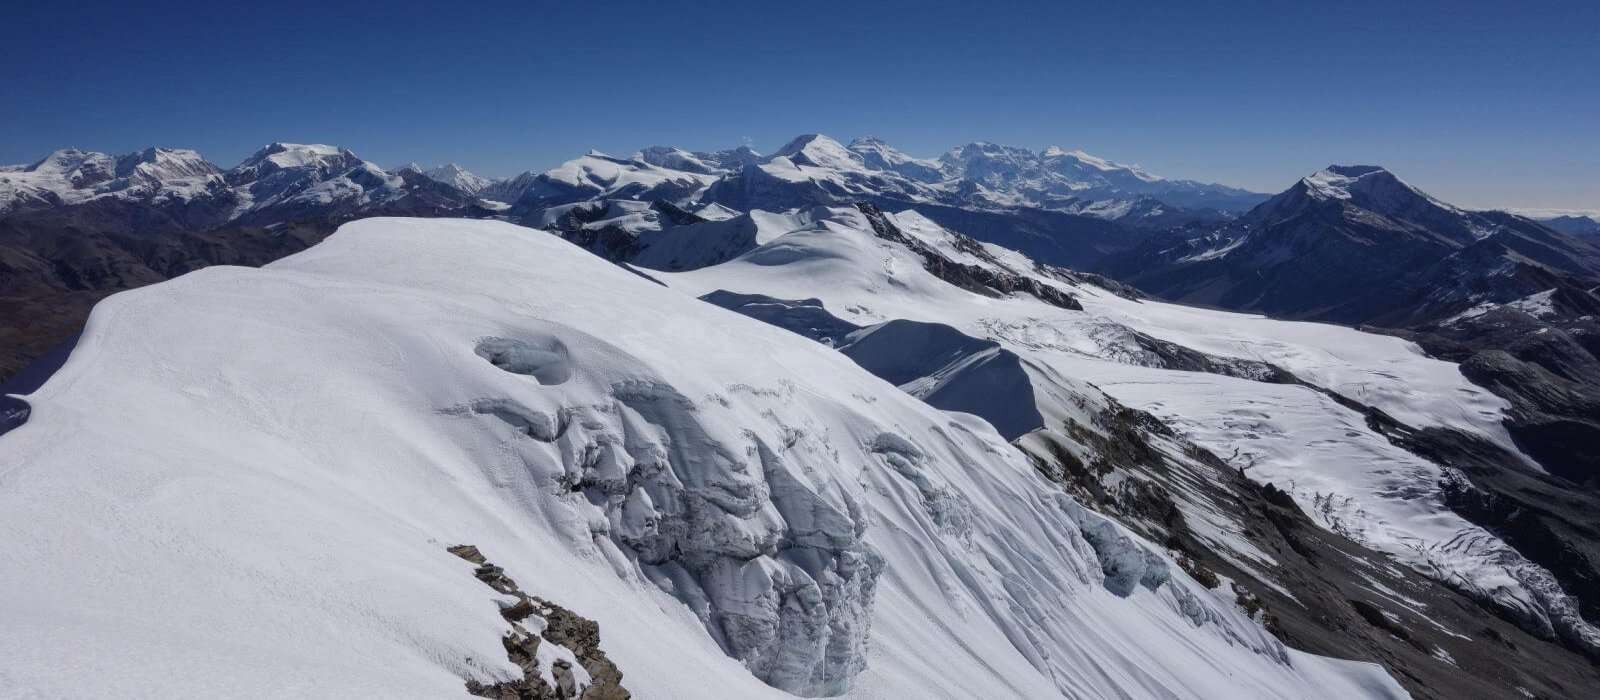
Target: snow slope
x,y
242,483
1348,476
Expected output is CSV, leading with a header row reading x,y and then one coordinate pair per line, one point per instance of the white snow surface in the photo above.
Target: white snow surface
x,y
243,481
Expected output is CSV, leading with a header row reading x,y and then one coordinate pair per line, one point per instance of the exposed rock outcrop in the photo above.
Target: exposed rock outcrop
x,y
558,650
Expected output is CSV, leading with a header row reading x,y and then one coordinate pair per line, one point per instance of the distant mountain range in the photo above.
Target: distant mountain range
x,y
81,223
1574,225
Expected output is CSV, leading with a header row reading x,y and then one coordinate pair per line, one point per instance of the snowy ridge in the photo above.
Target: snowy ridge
x,y
730,503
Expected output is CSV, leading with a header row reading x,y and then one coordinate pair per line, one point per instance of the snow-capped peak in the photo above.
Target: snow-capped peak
x,y
458,177
822,152
165,164
1370,187
1337,181
79,168
295,155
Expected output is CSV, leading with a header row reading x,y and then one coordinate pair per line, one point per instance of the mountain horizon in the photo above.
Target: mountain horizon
x,y
638,350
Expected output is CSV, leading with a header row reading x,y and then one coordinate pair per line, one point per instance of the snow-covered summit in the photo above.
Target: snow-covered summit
x,y
1349,181
459,178
291,177
165,165
76,167
274,157
819,151
1376,191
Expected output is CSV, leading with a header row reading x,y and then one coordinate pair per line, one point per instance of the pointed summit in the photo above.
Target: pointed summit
x,y
821,151
1371,187
459,178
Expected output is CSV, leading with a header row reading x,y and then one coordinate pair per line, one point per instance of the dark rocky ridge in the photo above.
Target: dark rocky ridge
x,y
972,278
1548,368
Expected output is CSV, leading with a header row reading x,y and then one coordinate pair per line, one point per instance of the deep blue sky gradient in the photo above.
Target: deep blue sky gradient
x,y
1484,104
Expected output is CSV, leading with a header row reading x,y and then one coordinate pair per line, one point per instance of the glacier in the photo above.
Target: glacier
x,y
244,481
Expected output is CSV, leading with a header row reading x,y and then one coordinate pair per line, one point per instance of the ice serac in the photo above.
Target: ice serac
x,y
738,508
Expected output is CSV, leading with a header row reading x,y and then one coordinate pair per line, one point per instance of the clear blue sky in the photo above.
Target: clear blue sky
x,y
1485,104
